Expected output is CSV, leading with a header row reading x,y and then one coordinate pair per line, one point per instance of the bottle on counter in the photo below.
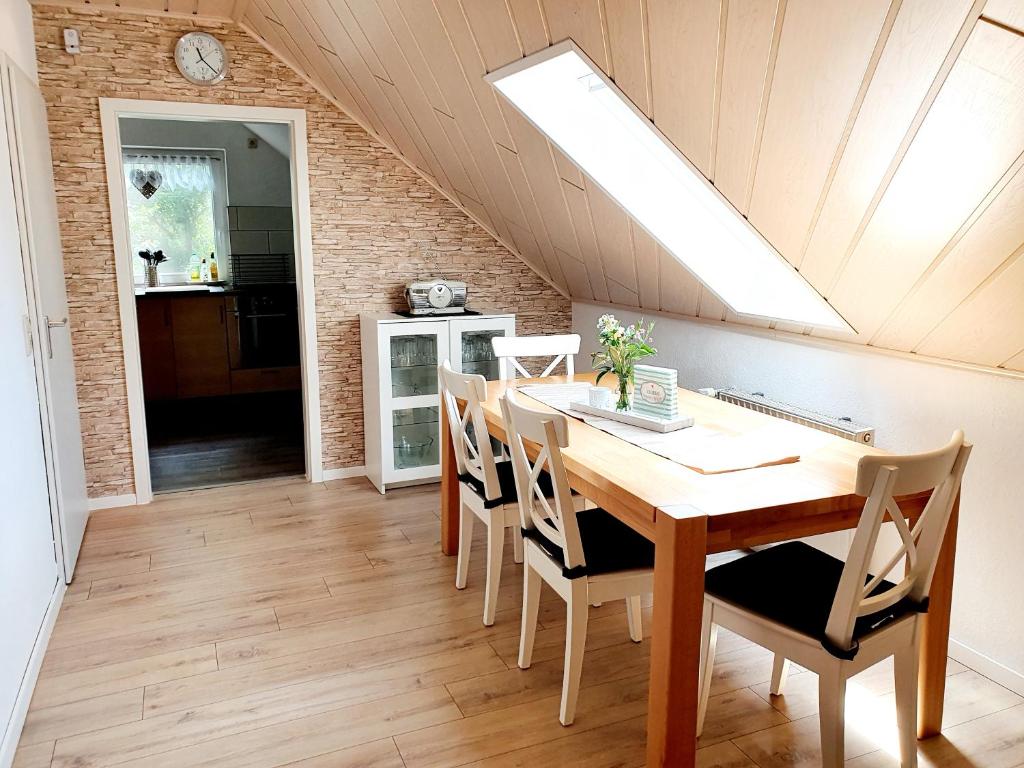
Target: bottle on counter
x,y
204,271
214,272
194,273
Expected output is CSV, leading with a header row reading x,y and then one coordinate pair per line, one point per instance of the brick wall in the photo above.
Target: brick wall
x,y
372,217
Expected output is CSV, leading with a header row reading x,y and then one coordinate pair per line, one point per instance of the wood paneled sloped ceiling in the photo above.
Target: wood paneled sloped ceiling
x,y
877,144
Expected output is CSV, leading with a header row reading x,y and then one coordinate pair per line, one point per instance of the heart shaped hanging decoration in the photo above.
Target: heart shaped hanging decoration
x,y
147,182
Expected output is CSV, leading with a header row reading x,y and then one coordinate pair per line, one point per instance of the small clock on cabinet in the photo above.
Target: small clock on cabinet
x,y
201,58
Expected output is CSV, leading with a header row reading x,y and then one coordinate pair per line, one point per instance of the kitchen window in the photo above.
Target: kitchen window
x,y
177,203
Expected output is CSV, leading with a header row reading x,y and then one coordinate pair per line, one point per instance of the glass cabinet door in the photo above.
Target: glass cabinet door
x,y
473,353
478,354
471,344
414,365
409,356
415,437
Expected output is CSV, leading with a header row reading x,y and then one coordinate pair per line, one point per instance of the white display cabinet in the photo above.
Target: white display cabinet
x,y
401,404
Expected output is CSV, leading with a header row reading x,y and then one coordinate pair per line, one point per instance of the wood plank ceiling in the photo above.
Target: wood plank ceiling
x,y
220,10
877,144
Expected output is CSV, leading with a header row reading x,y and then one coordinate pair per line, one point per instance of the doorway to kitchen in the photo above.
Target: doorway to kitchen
x,y
210,212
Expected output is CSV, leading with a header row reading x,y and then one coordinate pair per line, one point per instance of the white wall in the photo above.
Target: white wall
x,y
17,38
260,176
30,586
913,406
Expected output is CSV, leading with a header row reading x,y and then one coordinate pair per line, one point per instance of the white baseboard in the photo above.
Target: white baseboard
x,y
990,668
344,472
111,502
28,682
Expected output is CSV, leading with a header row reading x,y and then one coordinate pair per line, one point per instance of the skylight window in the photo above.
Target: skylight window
x,y
570,101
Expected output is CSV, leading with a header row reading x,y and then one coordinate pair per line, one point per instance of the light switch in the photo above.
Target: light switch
x,y
72,44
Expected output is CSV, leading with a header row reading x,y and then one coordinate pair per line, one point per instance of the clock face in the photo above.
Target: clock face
x,y
201,58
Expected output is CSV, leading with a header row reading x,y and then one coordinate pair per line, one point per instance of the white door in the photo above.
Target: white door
x,y
41,241
471,350
410,432
28,564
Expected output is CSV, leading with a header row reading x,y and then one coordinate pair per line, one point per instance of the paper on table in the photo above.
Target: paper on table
x,y
699,448
558,396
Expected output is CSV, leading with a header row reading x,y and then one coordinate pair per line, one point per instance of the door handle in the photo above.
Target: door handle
x,y
62,323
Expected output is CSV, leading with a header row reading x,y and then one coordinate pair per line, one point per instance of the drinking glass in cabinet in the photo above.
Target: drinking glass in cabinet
x,y
477,346
413,365
409,351
415,433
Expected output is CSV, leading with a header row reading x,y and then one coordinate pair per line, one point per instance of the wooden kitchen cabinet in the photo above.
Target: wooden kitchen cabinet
x,y
156,347
200,346
191,346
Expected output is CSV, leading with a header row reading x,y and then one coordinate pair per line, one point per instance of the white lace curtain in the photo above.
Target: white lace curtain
x,y
191,172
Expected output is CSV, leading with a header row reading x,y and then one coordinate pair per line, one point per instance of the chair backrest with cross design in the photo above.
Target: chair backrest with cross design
x,y
508,348
473,453
554,521
881,479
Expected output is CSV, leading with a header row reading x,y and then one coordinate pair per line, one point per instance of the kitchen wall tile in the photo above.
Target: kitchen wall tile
x,y
243,241
264,217
282,241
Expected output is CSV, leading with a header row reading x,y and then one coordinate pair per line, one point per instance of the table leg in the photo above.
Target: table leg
x,y
680,547
931,687
449,490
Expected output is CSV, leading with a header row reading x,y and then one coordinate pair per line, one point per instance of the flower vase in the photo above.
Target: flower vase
x,y
625,401
152,279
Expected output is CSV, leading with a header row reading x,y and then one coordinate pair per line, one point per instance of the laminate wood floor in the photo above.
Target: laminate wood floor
x,y
205,442
317,626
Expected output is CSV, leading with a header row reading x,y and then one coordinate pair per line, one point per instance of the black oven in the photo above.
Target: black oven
x,y
264,327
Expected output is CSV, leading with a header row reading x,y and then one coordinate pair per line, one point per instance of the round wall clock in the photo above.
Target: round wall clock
x,y
201,58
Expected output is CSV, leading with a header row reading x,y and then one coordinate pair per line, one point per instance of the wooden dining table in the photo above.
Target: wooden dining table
x,y
690,514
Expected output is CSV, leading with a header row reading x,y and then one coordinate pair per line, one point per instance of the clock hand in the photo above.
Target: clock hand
x,y
205,61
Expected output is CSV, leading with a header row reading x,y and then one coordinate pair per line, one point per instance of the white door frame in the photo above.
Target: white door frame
x,y
111,110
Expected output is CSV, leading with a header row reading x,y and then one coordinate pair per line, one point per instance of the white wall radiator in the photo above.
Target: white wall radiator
x,y
842,426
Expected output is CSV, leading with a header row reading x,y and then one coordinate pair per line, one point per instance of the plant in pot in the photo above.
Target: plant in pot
x,y
153,260
621,347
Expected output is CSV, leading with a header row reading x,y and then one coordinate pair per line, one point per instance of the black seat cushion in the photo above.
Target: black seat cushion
x,y
507,483
609,546
794,584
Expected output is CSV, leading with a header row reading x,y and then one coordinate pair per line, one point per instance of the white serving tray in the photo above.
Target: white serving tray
x,y
635,419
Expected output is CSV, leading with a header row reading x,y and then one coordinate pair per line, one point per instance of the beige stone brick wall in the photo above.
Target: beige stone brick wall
x,y
372,219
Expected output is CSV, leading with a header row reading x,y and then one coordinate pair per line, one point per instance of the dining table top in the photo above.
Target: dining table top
x,y
814,493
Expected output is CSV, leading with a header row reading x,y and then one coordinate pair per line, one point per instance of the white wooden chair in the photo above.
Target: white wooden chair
x,y
587,559
508,348
836,619
487,489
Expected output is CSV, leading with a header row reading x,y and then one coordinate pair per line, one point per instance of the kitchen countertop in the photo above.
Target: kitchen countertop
x,y
141,290
220,289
